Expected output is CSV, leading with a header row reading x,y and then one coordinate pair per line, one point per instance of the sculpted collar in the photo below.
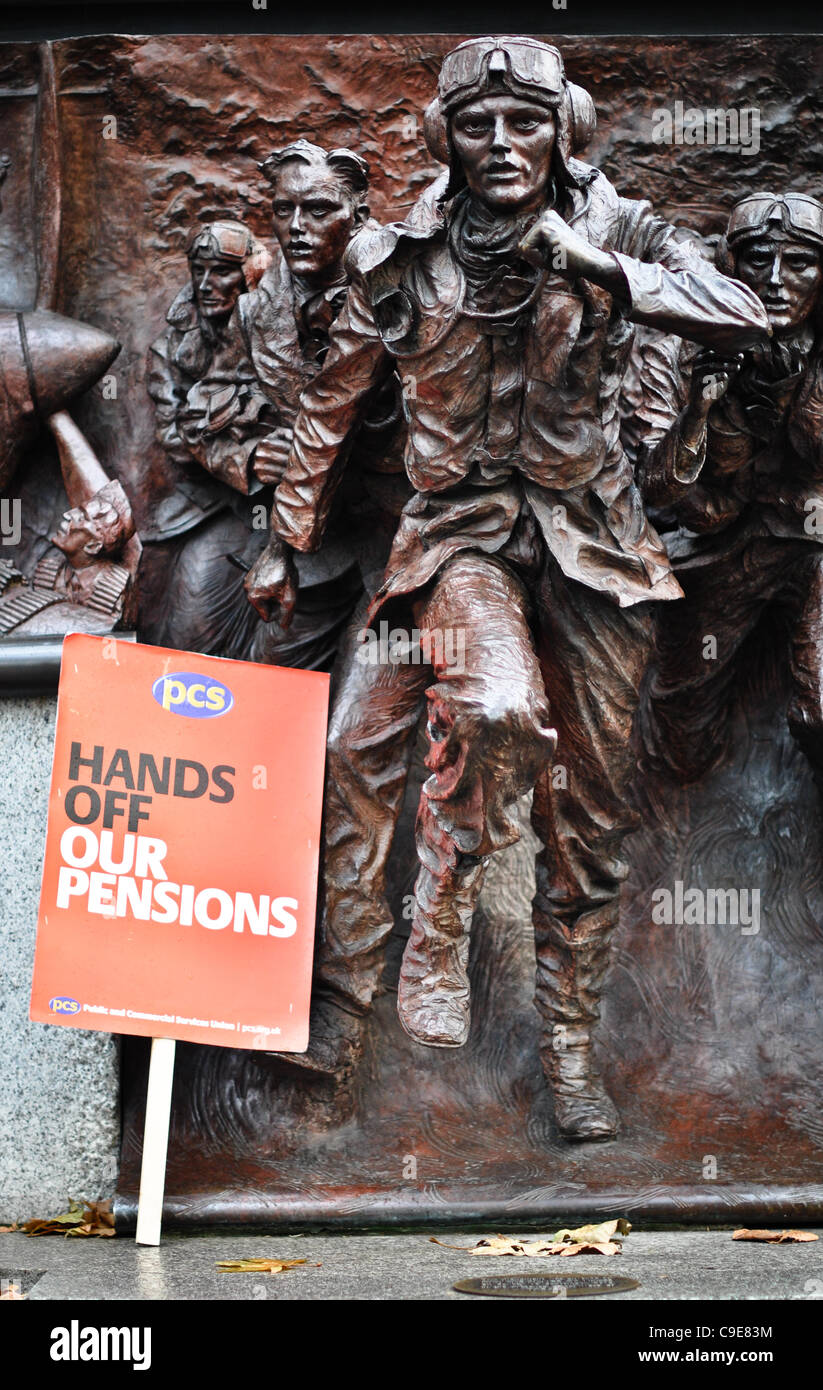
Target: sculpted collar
x,y
429,218
485,246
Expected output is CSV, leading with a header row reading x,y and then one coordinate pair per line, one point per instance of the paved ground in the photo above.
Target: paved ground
x,y
693,1264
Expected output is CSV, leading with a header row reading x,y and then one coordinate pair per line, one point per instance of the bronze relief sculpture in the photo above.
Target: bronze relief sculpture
x,y
46,361
506,310
373,378
86,580
244,339
739,472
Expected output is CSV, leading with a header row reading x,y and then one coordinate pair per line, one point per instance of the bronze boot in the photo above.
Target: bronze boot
x,y
336,1040
433,990
571,967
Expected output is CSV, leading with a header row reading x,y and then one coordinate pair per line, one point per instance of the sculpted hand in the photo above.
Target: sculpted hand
x,y
271,584
711,377
272,454
552,244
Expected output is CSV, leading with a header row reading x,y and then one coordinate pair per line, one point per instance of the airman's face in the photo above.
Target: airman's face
x,y
84,531
217,283
786,276
505,145
314,218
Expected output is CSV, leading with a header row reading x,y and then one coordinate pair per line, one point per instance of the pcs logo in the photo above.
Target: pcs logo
x,y
187,692
61,1004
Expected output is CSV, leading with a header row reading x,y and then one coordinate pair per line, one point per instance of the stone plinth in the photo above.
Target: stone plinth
x,y
59,1087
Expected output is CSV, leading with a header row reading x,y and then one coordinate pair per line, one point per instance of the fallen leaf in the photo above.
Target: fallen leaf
x,y
775,1237
72,1217
12,1293
83,1218
508,1245
5,1229
90,1228
498,1245
258,1266
599,1234
586,1240
97,1220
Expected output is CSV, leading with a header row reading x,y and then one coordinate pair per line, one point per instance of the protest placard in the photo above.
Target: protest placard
x,y
180,873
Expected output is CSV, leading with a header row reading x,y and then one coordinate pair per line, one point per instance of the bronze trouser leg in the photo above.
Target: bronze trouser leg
x,y
205,606
207,609
489,740
433,991
376,708
593,656
684,721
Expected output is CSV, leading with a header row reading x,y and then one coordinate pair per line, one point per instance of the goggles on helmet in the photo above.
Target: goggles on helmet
x,y
229,241
526,66
795,212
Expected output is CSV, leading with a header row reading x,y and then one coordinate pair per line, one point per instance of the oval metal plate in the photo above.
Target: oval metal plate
x,y
546,1285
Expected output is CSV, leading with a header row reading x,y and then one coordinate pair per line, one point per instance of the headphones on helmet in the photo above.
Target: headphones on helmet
x,y
523,58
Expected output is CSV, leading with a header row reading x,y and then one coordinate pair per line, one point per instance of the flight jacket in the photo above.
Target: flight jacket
x,y
512,412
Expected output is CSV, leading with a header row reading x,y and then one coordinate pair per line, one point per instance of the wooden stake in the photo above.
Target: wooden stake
x,y
155,1142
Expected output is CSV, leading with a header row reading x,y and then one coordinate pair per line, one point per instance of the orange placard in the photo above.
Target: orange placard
x,y
180,874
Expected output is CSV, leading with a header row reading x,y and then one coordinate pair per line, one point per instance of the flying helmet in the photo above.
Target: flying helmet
x,y
795,213
232,241
525,68
800,216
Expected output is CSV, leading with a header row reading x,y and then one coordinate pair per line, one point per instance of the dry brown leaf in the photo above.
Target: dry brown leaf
x,y
508,1245
90,1228
4,1230
258,1266
12,1293
585,1240
498,1245
774,1237
599,1234
83,1218
97,1220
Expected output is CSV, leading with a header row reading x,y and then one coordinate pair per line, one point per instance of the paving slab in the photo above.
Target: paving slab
x,y
668,1265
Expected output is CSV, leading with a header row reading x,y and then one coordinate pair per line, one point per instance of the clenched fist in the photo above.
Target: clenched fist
x,y
552,244
271,584
711,377
272,454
